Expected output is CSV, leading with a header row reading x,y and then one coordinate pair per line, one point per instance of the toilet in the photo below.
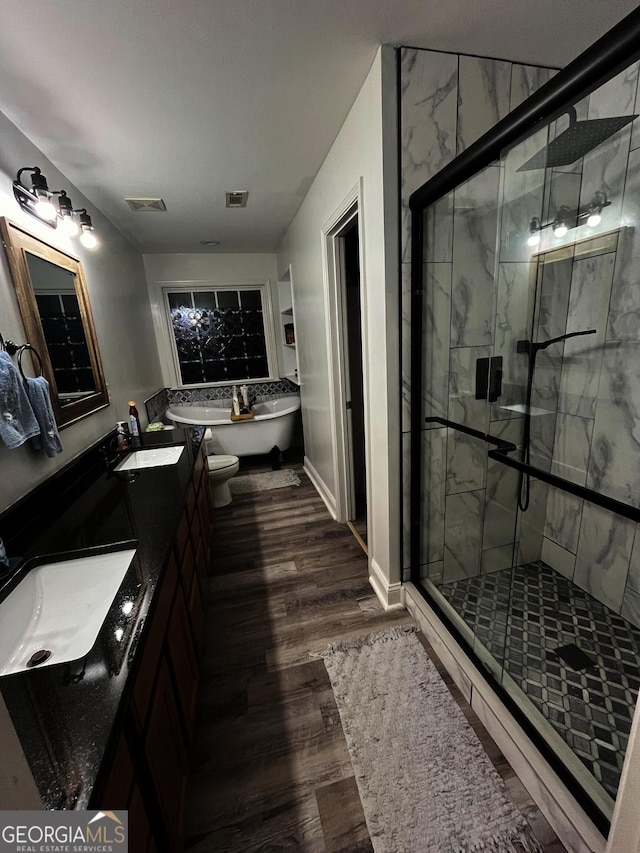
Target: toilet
x,y
221,470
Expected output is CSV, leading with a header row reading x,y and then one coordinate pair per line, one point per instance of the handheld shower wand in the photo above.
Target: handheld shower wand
x,y
532,349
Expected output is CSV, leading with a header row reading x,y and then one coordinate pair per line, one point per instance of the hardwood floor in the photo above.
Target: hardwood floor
x,y
270,765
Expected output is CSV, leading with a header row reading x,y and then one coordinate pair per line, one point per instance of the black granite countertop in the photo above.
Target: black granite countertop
x,y
64,714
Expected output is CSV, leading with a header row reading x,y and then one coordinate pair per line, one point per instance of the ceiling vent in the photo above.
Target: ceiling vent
x,y
237,198
146,205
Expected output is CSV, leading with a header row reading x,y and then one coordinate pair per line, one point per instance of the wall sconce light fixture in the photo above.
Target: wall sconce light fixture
x,y
87,237
567,218
65,213
37,201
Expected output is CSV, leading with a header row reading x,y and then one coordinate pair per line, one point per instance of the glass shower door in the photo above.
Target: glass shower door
x,y
468,520
530,337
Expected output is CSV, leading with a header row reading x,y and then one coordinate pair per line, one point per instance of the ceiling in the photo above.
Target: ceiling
x,y
184,99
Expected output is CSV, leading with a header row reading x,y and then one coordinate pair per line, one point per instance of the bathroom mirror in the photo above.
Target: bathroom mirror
x,y
54,304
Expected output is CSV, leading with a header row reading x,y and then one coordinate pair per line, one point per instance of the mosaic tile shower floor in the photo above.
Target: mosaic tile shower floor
x,y
522,616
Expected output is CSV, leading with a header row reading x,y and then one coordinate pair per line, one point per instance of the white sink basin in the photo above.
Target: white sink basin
x,y
154,457
59,608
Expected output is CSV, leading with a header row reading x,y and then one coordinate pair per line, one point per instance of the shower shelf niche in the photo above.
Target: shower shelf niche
x,y
288,351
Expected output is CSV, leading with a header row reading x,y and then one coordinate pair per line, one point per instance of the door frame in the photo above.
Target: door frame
x,y
335,308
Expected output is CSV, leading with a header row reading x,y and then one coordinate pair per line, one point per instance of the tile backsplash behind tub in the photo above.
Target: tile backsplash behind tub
x,y
157,404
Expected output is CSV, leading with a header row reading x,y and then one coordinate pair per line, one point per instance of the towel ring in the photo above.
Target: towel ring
x,y
35,352
8,346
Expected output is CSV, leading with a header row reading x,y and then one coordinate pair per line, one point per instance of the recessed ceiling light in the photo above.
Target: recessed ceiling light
x,y
209,242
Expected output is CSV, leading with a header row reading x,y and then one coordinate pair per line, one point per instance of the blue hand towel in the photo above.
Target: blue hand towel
x,y
17,421
48,440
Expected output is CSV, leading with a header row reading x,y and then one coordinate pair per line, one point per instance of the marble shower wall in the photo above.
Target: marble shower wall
x,y
478,302
447,102
596,398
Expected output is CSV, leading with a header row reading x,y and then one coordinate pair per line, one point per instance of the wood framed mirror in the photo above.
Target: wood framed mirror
x,y
54,304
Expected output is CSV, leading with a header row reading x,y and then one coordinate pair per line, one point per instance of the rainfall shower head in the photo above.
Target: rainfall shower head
x,y
576,141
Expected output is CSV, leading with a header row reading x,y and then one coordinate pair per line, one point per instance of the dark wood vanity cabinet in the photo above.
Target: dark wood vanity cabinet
x,y
123,792
150,765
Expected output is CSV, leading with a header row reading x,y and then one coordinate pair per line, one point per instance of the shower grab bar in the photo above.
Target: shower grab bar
x,y
502,448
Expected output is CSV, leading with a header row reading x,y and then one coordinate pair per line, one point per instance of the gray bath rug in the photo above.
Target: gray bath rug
x,y
265,480
425,781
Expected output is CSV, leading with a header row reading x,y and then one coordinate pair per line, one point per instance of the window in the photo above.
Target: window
x,y
219,334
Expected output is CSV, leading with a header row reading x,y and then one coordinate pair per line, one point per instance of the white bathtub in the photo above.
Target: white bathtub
x,y
271,426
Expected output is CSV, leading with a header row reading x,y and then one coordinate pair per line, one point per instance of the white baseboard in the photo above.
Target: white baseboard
x,y
321,488
389,594
569,821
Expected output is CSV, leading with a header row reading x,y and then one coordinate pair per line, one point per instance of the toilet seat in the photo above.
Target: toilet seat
x,y
220,462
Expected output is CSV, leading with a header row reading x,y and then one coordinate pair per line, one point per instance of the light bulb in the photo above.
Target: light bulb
x,y
594,219
534,232
88,240
561,230
45,209
69,226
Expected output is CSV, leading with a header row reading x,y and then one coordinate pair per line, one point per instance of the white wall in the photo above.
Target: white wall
x,y
219,268
357,153
188,269
117,292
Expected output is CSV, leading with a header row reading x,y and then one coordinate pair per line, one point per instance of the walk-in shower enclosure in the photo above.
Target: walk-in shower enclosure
x,y
525,409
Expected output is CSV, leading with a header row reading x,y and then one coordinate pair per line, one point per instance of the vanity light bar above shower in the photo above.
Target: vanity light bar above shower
x,y
567,218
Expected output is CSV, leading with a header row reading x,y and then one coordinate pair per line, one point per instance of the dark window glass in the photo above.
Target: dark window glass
x,y
54,330
219,344
250,299
204,299
75,332
228,299
254,348
63,362
183,299
191,372
70,304
48,306
253,322
234,347
215,370
64,382
85,379
256,365
229,321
